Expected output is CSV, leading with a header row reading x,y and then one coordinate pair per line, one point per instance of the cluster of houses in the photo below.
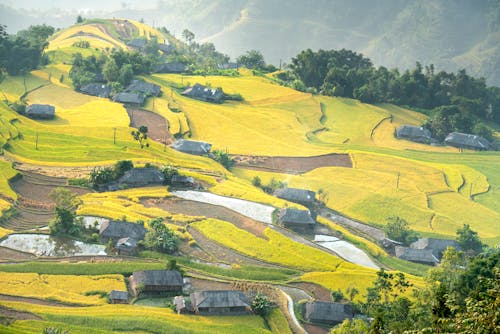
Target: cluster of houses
x,y
135,93
456,139
427,251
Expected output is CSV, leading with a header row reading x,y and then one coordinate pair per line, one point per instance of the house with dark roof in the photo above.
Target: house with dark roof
x,y
118,297
165,48
465,140
96,89
423,256
203,93
147,88
41,111
141,177
301,196
170,68
192,146
156,281
417,134
299,220
329,313
115,231
129,98
219,302
228,66
137,43
437,246
182,181
126,246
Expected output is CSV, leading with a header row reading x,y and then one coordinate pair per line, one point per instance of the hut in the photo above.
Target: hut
x,y
117,230
192,146
299,220
417,134
170,68
423,256
203,93
468,141
218,302
141,177
435,245
96,89
129,98
301,196
329,313
139,86
118,297
137,43
182,181
156,281
126,246
40,111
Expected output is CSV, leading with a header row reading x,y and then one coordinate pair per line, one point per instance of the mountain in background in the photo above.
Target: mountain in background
x,y
393,33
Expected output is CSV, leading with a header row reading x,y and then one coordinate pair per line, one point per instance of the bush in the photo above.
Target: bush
x,y
223,158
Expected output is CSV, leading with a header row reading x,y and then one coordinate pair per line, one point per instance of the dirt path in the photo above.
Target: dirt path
x,y
7,255
9,315
192,208
34,301
366,231
157,125
292,165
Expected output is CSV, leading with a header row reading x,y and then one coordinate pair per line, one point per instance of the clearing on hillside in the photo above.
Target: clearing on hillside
x,y
157,125
293,165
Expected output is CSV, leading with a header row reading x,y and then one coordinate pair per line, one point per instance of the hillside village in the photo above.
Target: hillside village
x,y
150,184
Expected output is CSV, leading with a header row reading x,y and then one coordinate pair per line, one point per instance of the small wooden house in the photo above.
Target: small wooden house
x,y
435,245
301,196
203,93
220,302
329,313
126,246
170,68
40,111
156,281
141,177
182,181
423,256
140,86
115,231
96,89
299,220
192,146
468,141
417,134
118,297
129,98
137,43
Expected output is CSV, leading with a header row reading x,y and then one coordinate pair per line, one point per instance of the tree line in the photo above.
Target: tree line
x,y
458,100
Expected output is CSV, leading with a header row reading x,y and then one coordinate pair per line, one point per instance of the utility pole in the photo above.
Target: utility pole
x,y
36,141
114,136
280,64
153,103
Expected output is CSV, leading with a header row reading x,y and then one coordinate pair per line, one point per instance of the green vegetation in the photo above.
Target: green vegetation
x,y
160,237
397,229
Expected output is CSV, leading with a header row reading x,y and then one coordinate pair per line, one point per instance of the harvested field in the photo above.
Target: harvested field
x,y
192,208
8,315
314,290
157,125
312,329
203,284
7,255
292,165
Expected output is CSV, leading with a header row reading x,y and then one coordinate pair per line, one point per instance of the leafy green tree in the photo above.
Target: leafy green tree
x,y
398,229
65,199
252,59
354,326
160,237
141,136
110,70
126,74
469,241
188,36
223,158
79,19
121,167
169,172
261,305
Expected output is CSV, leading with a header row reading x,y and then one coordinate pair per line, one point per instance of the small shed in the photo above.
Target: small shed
x,y
126,246
129,98
156,281
137,43
329,313
469,141
296,219
183,181
301,196
174,67
96,89
203,93
141,177
414,133
230,302
40,111
437,246
147,88
228,66
192,146
165,48
118,297
423,256
115,231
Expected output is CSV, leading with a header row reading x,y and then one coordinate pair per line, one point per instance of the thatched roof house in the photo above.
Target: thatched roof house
x,y
118,297
301,196
126,245
414,133
437,246
139,86
296,219
117,230
203,93
192,146
327,312
465,140
170,68
220,302
156,281
96,89
41,111
140,177
423,256
129,98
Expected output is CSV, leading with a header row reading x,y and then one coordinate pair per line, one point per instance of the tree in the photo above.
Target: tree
x,y
169,172
79,19
121,167
223,158
469,241
65,222
65,199
110,70
398,229
141,135
252,59
261,305
188,36
160,237
354,326
126,74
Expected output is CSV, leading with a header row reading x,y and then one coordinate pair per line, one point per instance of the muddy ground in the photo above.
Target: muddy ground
x,y
157,125
292,165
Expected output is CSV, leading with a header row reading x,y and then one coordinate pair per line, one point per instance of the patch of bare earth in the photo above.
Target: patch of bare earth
x,y
7,255
157,125
292,165
203,284
192,208
34,301
312,329
8,315
318,292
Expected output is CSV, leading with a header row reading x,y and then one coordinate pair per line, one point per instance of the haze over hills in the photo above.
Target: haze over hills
x,y
393,33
